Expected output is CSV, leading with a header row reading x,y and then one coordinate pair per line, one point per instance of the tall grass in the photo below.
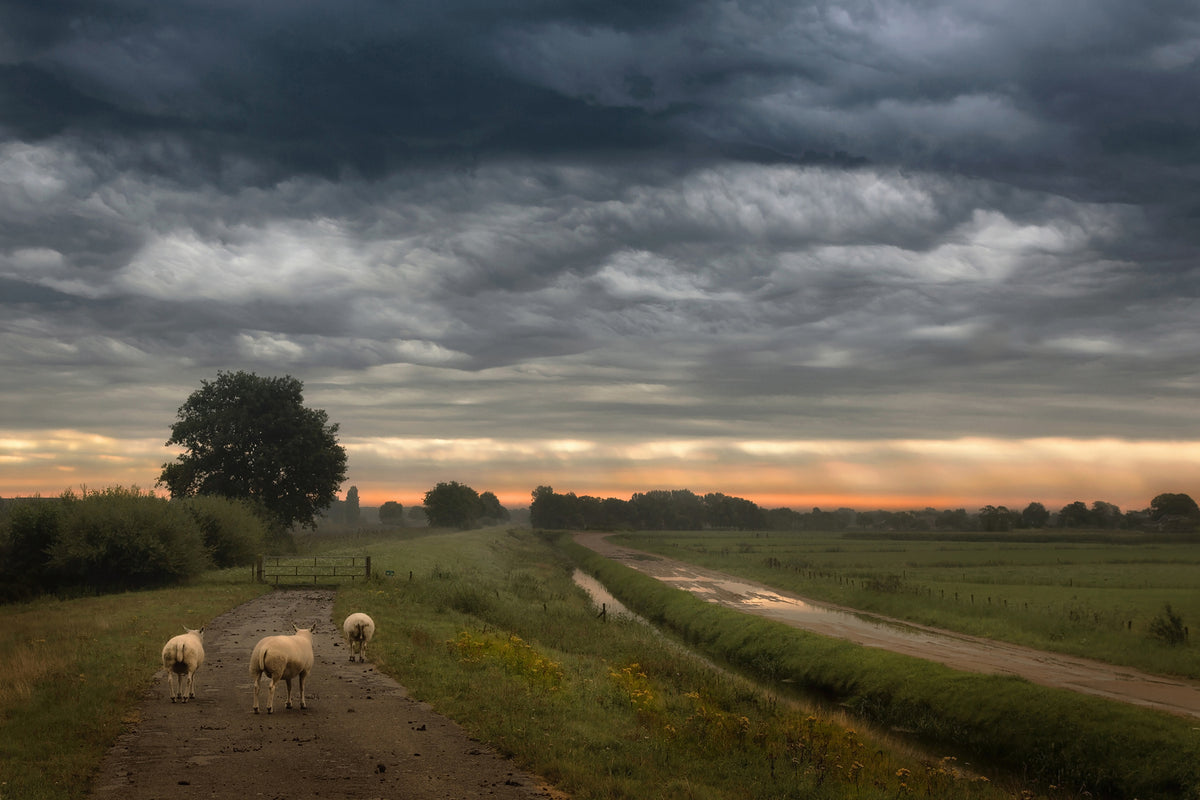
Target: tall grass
x,y
74,672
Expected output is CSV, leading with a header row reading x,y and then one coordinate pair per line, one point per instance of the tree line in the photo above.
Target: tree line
x,y
682,509
251,438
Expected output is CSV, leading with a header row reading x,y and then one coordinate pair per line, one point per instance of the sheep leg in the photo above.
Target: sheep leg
x,y
171,684
288,681
302,703
191,687
271,695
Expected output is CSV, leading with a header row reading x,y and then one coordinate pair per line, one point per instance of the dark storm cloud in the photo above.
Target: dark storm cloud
x,y
307,88
757,219
1059,94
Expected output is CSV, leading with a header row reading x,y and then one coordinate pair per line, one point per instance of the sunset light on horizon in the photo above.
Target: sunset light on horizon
x,y
863,475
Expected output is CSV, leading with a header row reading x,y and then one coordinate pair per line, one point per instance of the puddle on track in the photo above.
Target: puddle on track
x,y
959,651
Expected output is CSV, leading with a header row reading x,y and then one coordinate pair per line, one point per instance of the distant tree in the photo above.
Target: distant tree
x,y
490,507
1035,515
548,510
838,520
391,513
722,511
993,518
1173,505
784,519
417,515
252,438
1105,515
452,505
1075,515
956,520
351,510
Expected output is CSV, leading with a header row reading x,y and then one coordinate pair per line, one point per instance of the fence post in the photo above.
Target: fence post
x,y
368,574
258,569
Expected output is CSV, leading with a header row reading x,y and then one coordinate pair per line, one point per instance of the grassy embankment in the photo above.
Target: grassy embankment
x,y
489,628
1087,593
1054,736
73,672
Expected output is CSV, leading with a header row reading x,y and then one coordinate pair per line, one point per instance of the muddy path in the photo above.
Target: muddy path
x,y
959,651
361,736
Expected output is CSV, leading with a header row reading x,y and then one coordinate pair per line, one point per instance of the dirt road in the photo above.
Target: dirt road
x,y
1176,696
360,737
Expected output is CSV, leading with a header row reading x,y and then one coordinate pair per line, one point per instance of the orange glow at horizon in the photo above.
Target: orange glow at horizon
x,y
864,475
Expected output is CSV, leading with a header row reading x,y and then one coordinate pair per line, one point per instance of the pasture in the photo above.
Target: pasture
x,y
1096,594
488,627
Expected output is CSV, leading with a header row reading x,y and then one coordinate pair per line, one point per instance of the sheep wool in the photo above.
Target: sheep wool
x,y
282,658
358,628
182,655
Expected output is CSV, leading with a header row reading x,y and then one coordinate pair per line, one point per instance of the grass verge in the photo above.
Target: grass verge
x,y
1057,738
74,672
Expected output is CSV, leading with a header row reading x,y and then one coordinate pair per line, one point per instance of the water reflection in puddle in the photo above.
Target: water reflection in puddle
x,y
755,598
601,598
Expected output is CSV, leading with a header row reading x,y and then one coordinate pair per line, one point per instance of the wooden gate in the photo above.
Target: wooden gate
x,y
311,569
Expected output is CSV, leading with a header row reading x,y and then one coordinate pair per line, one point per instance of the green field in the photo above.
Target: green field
x,y
489,627
1094,594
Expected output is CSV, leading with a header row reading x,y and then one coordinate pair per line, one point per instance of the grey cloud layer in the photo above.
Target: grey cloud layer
x,y
761,220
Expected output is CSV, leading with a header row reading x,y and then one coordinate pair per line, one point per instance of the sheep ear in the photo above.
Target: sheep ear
x,y
313,628
201,631
186,629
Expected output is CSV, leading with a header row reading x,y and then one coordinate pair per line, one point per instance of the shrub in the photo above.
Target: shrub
x,y
233,534
27,531
118,538
1168,626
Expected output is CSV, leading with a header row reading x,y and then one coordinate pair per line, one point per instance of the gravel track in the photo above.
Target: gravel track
x,y
361,736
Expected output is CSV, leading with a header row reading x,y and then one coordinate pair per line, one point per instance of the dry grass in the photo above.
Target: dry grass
x,y
74,671
39,642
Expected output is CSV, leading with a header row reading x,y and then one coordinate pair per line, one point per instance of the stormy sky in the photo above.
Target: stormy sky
x,y
875,254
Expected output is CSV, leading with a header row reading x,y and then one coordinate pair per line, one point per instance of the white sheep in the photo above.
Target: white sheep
x,y
359,628
182,655
282,658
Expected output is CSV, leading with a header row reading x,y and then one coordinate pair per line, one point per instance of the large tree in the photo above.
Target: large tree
x,y
452,505
391,513
1173,505
252,438
1035,515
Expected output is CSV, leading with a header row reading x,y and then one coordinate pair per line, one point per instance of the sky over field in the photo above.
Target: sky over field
x,y
867,254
